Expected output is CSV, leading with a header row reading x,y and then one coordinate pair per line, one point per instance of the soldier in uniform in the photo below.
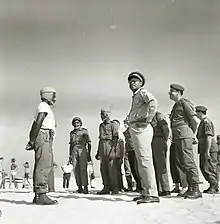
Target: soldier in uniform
x,y
108,138
159,147
41,141
208,150
130,162
184,125
143,109
80,154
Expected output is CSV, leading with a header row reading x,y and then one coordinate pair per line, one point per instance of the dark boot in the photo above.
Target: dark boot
x,y
164,194
114,192
85,190
149,199
105,190
129,182
193,192
183,192
211,190
138,197
80,190
43,199
205,191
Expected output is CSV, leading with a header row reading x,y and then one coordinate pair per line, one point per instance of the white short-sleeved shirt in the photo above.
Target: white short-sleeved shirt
x,y
49,121
67,168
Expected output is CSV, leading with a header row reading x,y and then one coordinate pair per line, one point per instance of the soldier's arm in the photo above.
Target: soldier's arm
x,y
36,127
209,133
98,150
88,141
114,135
191,115
122,149
152,105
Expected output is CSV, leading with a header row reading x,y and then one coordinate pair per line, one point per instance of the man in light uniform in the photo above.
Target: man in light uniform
x,y
143,109
41,141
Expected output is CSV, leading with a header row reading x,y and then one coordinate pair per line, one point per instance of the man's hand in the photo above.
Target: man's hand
x,y
194,141
29,146
70,160
97,157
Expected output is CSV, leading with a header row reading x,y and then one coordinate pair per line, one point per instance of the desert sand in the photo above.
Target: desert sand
x,y
16,206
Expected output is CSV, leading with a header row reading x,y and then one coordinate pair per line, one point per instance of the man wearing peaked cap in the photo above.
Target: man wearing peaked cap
x,y
41,139
80,154
208,150
136,75
218,164
143,109
201,109
184,126
177,87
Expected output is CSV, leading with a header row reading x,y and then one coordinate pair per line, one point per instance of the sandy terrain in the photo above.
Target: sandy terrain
x,y
75,208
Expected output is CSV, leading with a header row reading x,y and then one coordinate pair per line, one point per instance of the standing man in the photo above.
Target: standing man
x,y
208,150
159,147
119,156
26,182
143,109
108,138
130,162
80,154
41,141
67,169
184,125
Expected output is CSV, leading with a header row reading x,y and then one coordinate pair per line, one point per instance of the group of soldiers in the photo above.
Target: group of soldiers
x,y
143,150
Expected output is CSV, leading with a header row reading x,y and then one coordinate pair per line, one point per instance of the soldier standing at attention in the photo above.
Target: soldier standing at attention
x,y
159,147
208,150
184,125
80,154
143,109
108,138
41,141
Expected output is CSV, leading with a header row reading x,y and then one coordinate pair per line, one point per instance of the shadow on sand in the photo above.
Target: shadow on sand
x,y
16,202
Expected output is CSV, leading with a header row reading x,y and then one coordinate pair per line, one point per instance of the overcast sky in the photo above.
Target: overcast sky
x,y
85,50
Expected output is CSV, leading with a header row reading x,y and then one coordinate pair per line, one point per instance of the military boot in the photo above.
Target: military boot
x,y
80,190
85,190
105,190
211,190
194,193
43,199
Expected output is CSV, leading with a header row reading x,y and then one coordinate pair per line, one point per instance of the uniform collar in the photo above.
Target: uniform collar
x,y
137,91
107,121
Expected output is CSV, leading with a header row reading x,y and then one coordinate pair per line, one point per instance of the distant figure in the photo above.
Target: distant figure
x,y
41,138
80,154
13,173
91,174
26,182
67,169
4,175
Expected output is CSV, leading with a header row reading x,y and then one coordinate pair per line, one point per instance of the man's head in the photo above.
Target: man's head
x,y
13,160
201,112
136,80
105,114
77,122
48,94
176,92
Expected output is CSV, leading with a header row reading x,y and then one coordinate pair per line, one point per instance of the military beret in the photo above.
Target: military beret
x,y
105,110
177,87
77,119
136,75
47,89
201,108
218,136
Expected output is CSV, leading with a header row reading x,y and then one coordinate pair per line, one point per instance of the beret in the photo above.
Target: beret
x,y
77,119
47,89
